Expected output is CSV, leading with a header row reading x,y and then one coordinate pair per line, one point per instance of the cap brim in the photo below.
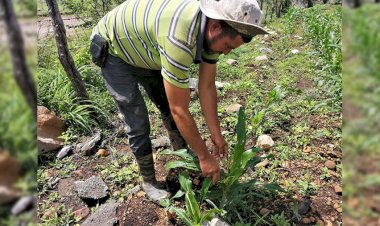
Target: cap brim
x,y
244,28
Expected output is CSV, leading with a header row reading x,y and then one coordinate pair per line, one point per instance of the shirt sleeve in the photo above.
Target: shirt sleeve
x,y
176,58
210,58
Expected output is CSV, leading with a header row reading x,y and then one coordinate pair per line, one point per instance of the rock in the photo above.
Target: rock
x,y
81,213
307,149
216,221
272,32
295,51
161,142
64,151
304,207
220,85
306,220
140,194
231,62
266,50
196,181
262,164
133,190
10,169
8,195
233,108
338,189
336,206
193,84
49,213
23,204
104,216
53,181
92,188
264,211
297,37
89,145
312,219
66,187
102,153
264,142
49,128
339,209
261,58
330,164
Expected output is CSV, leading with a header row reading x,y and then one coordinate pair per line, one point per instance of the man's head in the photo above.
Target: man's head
x,y
228,27
222,38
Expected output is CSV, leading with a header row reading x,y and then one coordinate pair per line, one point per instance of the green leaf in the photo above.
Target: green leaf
x,y
192,206
181,153
164,202
205,186
181,213
182,164
185,182
274,187
179,194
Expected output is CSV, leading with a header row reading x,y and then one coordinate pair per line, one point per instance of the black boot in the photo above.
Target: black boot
x,y
149,184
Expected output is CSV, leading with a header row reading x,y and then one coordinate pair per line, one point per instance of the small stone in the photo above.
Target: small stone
x,y
8,195
92,188
264,211
304,207
339,209
133,190
336,206
193,84
295,51
338,189
49,213
298,37
104,215
161,142
262,164
216,221
330,164
264,142
312,219
140,194
307,149
266,50
328,223
233,108
261,58
306,220
81,213
196,181
64,151
231,62
22,205
102,153
89,145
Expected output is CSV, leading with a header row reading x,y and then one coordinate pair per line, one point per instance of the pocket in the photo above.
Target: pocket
x,y
99,50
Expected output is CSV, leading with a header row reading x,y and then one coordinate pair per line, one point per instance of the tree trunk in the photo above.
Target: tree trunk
x,y
63,50
21,73
357,3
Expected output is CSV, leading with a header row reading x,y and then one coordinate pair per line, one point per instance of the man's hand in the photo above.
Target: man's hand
x,y
210,168
220,147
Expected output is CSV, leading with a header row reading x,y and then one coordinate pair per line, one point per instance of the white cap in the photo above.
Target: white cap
x,y
244,16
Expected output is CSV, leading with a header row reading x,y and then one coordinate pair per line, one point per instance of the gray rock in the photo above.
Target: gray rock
x,y
90,144
133,190
216,221
266,50
231,62
64,151
233,108
92,188
264,142
193,83
220,85
22,205
52,182
161,142
104,216
261,58
295,51
304,207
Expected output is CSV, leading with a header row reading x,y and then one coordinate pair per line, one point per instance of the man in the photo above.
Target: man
x,y
153,43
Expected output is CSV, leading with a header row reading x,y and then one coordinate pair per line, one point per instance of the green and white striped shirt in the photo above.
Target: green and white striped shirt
x,y
164,35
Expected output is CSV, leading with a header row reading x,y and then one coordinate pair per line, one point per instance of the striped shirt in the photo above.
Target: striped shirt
x,y
164,35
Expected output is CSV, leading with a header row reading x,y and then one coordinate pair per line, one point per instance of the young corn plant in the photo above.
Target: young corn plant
x,y
192,214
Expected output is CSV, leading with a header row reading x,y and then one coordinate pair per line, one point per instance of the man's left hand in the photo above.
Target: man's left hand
x,y
220,147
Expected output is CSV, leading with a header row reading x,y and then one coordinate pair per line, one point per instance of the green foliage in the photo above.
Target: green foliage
x,y
280,220
363,27
323,27
192,214
187,161
88,10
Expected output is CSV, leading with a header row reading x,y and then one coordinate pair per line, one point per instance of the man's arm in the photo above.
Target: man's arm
x,y
179,100
208,99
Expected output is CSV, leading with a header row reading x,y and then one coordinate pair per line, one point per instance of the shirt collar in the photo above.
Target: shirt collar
x,y
200,38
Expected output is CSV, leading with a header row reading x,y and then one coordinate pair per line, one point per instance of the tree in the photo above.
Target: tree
x,y
21,73
63,51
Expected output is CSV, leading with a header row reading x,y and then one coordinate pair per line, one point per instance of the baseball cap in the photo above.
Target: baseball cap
x,y
244,16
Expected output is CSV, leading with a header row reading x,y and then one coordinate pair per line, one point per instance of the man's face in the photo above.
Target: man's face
x,y
221,43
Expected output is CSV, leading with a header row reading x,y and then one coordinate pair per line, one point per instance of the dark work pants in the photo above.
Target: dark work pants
x,y
122,81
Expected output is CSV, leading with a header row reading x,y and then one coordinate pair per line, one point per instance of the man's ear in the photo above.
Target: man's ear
x,y
214,26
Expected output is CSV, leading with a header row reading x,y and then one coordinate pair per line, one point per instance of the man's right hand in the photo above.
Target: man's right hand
x,y
210,168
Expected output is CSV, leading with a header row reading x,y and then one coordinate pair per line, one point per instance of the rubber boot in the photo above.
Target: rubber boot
x,y
149,184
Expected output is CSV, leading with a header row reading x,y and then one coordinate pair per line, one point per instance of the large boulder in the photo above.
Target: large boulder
x,y
49,128
10,169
